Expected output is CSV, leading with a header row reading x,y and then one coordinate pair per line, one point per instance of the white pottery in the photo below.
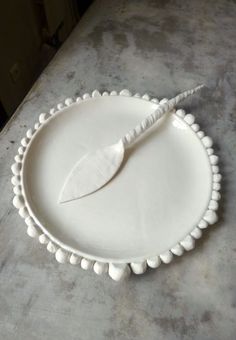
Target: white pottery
x,y
157,206
95,169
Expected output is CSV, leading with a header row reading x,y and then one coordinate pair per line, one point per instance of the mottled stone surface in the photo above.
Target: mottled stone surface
x,y
160,47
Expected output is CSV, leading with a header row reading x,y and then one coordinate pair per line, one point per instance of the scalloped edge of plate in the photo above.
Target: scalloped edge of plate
x,y
117,271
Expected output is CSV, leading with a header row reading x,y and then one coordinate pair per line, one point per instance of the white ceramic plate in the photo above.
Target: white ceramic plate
x,y
157,205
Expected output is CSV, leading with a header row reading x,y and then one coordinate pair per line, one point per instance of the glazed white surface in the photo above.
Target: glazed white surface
x,y
95,169
157,199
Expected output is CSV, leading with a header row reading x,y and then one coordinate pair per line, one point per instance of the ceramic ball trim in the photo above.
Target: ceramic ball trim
x,y
117,271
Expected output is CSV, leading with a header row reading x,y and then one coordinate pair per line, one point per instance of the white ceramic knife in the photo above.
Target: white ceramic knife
x,y
97,168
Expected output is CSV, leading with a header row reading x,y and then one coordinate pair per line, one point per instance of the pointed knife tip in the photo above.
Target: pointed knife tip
x,y
61,199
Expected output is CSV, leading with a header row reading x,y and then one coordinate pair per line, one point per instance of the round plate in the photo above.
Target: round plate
x,y
161,195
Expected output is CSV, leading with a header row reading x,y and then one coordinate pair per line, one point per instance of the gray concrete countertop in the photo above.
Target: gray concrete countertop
x,y
159,47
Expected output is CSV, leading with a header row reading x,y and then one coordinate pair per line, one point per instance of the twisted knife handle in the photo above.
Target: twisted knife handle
x,y
148,122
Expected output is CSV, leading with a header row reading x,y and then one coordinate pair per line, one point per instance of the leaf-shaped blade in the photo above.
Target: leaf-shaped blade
x,y
92,172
